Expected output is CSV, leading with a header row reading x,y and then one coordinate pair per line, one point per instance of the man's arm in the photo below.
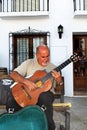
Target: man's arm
x,y
19,78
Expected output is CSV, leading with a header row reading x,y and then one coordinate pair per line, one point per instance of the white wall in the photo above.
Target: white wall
x,y
61,12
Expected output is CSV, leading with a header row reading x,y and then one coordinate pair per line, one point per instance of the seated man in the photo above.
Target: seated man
x,y
28,68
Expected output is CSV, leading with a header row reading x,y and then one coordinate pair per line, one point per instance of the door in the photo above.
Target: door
x,y
80,68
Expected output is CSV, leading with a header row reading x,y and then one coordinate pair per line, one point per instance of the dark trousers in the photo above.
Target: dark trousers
x,y
6,98
45,99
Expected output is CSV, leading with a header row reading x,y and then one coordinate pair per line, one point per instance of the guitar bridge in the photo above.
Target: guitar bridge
x,y
25,91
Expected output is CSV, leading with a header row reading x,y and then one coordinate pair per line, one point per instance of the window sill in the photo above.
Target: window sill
x,y
23,14
80,13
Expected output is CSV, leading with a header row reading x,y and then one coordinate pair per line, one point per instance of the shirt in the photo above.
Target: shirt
x,y
30,66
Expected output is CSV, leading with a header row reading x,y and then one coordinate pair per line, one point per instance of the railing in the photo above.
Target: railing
x,y
24,5
80,5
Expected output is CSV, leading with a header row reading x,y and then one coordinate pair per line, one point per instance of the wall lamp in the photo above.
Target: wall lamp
x,y
60,30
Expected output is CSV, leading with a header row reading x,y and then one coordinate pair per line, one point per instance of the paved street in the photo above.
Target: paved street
x,y
78,113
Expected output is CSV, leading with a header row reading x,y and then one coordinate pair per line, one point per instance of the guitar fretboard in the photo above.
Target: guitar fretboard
x,y
64,64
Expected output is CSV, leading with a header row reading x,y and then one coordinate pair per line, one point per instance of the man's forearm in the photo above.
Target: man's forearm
x,y
17,77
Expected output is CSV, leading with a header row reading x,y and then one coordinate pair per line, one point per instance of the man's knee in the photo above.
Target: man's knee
x,y
46,98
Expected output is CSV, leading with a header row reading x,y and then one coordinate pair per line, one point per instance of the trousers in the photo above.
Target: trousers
x,y
45,99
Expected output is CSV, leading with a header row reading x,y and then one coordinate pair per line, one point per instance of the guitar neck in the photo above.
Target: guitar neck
x,y
59,68
64,64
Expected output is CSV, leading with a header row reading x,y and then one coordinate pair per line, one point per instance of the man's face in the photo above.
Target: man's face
x,y
43,57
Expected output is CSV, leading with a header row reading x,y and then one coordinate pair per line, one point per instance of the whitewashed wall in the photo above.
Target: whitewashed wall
x,y
61,12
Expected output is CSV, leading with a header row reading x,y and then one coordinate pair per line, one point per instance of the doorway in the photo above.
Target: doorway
x,y
80,67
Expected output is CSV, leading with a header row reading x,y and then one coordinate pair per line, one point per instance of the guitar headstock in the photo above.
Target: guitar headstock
x,y
75,57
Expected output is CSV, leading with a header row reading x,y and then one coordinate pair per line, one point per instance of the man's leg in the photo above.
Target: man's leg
x,y
11,103
7,99
46,99
3,94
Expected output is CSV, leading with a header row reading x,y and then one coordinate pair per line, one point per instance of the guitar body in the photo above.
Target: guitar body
x,y
28,118
24,96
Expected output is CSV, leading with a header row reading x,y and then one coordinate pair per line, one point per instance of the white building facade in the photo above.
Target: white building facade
x,y
69,13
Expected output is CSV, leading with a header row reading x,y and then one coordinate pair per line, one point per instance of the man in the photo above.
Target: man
x,y
28,68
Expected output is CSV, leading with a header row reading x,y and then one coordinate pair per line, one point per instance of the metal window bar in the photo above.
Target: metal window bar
x,y
74,3
85,4
22,5
19,6
3,6
7,5
43,5
27,5
0,6
11,5
14,5
35,5
39,5
31,5
79,4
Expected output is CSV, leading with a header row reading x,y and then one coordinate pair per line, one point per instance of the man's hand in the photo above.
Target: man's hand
x,y
30,84
47,85
57,76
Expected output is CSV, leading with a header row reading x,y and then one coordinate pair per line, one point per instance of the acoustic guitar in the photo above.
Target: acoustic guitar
x,y
24,96
29,118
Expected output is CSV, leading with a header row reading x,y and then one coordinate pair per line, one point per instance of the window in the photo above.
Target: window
x,y
22,46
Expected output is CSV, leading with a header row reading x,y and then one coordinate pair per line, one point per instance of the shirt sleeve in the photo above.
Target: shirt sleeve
x,y
22,69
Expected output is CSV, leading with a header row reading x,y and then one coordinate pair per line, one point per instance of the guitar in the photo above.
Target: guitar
x,y
29,118
24,96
